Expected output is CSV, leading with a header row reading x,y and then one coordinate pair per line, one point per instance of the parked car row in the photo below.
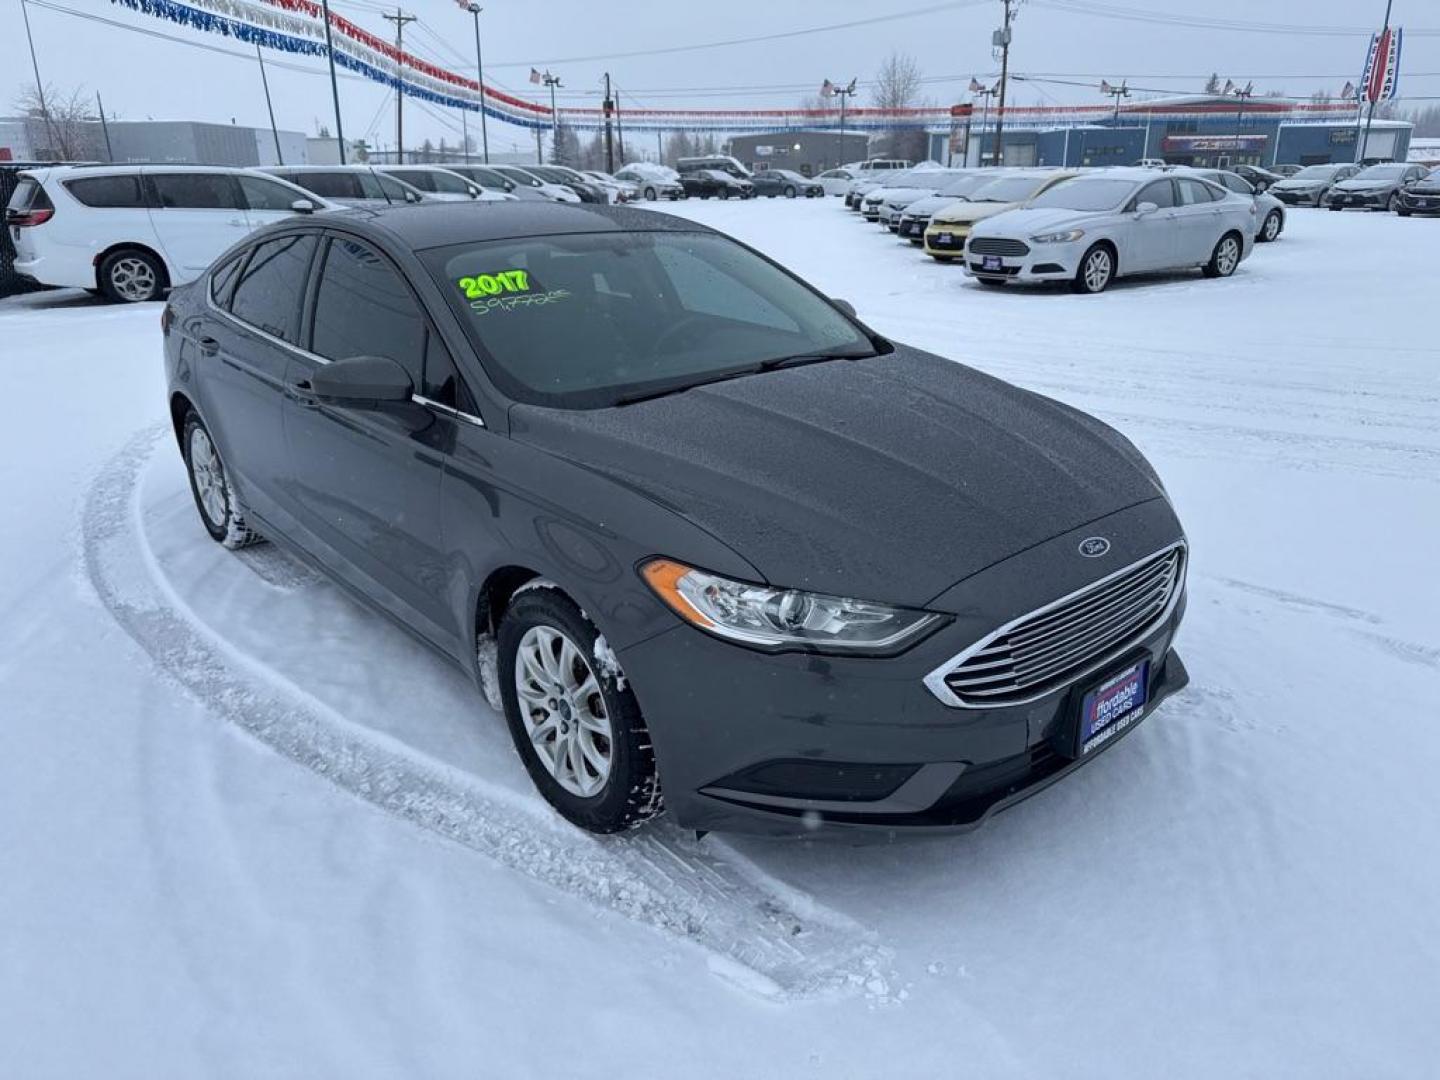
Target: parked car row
x,y
1082,226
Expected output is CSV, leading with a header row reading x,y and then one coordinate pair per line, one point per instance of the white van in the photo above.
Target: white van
x,y
132,231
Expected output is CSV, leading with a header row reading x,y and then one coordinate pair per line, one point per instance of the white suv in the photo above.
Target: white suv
x,y
132,231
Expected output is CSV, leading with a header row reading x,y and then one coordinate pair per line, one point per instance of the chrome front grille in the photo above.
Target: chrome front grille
x,y
1063,641
998,245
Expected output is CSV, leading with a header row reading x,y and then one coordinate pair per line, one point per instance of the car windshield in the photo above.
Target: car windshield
x,y
486,177
1316,172
1008,189
1089,193
963,185
520,176
1432,176
587,320
1380,172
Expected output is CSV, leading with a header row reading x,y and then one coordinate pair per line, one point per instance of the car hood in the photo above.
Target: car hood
x,y
889,478
905,196
1299,185
970,211
1426,187
928,205
1036,220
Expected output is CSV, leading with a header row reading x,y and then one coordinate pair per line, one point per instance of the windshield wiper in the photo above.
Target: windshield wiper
x,y
800,359
773,364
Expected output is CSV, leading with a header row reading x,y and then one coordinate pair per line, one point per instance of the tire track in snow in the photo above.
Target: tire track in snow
x,y
760,934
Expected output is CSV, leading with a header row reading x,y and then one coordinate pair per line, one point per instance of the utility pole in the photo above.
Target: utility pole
x,y
334,83
843,93
1001,39
1382,50
609,137
1117,92
619,127
400,19
39,86
552,81
1243,94
105,127
265,82
475,10
987,94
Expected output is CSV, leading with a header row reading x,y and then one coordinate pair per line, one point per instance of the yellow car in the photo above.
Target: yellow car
x,y
950,225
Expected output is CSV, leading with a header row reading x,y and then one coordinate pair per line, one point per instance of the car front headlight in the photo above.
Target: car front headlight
x,y
1066,237
762,615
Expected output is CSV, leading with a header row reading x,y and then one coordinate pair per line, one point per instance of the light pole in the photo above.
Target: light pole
x,y
987,94
334,84
1242,94
475,10
1117,92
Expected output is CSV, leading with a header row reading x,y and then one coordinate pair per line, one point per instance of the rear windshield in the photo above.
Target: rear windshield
x,y
1089,193
29,195
579,321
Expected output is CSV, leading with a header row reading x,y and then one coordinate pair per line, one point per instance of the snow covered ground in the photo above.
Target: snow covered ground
x,y
249,830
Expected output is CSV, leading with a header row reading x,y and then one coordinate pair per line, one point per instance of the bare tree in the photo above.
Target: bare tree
x,y
1212,84
897,86
60,125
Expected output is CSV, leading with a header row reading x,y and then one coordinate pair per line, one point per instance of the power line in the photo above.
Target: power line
x,y
1202,22
753,40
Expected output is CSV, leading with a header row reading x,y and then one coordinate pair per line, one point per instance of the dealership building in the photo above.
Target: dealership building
x,y
1203,130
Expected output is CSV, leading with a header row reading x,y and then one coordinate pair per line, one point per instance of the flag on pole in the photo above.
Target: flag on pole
x,y
827,89
1382,66
534,76
1348,92
975,87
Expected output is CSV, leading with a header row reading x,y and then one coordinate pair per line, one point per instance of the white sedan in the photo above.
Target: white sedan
x,y
1092,229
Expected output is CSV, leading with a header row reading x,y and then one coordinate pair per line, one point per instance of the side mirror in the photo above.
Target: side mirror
x,y
1144,209
303,206
361,382
845,306
412,197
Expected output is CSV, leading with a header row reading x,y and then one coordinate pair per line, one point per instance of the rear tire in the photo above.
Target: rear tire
x,y
1096,271
1225,258
580,735
1394,204
790,192
220,511
131,276
1270,231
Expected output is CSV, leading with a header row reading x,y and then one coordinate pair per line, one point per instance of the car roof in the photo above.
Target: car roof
x,y
133,167
437,224
348,167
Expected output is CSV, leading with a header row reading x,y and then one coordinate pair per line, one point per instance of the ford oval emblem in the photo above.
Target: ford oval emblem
x,y
1092,547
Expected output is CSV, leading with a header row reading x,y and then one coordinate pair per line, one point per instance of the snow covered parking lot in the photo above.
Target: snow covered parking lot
x,y
250,830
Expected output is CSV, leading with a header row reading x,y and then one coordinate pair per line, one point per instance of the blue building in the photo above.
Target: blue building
x,y
1205,131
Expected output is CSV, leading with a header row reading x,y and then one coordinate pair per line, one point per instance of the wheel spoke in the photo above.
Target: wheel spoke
x,y
572,738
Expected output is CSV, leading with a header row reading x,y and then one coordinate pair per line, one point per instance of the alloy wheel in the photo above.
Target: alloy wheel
x,y
132,278
1227,257
563,711
1272,225
1098,268
209,476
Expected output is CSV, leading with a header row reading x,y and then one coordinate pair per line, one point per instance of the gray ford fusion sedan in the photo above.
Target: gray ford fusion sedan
x,y
716,546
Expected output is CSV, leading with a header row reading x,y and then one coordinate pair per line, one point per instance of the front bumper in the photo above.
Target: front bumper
x,y
1420,204
1297,198
1350,200
947,238
913,228
779,743
1040,262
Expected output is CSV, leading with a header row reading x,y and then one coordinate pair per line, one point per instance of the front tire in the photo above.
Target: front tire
x,y
1225,258
790,192
220,511
131,276
649,194
579,734
1394,204
1096,271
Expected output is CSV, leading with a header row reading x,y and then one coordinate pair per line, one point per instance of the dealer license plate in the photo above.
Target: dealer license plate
x,y
991,262
1112,706
944,238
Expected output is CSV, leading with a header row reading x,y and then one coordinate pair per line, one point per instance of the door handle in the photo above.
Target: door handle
x,y
301,392
209,346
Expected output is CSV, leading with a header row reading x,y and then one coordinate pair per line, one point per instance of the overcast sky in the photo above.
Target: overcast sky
x,y
142,76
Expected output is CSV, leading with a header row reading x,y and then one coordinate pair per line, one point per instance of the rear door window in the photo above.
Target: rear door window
x,y
271,288
425,181
330,185
1194,192
111,192
196,191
